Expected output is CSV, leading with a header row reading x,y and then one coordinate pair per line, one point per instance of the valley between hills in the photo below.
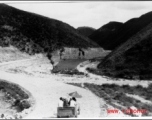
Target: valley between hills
x,y
43,59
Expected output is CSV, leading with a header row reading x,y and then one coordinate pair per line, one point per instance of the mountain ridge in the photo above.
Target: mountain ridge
x,y
106,30
132,59
126,31
86,31
32,33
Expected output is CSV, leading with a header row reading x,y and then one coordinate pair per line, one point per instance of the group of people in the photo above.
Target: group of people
x,y
72,102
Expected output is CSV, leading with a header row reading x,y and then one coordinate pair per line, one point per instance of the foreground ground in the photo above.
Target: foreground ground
x,y
46,88
35,76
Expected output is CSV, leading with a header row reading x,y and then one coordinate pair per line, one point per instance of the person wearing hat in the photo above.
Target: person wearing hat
x,y
73,103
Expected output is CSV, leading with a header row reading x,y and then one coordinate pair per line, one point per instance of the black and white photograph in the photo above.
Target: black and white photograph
x,y
75,59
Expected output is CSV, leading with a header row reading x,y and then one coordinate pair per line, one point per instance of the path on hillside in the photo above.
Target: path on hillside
x,y
47,91
16,61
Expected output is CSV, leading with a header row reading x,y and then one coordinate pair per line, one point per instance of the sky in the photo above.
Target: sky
x,y
87,13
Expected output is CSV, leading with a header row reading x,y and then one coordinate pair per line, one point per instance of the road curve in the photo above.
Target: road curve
x,y
47,91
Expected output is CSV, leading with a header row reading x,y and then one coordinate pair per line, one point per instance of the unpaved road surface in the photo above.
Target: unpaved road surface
x,y
47,90
35,76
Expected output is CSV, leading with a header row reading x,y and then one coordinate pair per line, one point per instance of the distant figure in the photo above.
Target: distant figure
x,y
60,104
61,52
81,53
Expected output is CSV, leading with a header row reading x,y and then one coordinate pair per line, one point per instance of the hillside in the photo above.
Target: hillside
x,y
131,60
34,33
113,39
11,54
103,35
86,31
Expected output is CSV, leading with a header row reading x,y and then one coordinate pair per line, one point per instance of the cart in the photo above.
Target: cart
x,y
63,112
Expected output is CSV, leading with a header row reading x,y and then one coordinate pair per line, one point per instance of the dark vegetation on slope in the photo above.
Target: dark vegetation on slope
x,y
112,38
113,94
17,93
33,33
103,35
86,31
132,60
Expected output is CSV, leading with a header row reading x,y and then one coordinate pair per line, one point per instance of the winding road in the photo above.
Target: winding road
x,y
46,92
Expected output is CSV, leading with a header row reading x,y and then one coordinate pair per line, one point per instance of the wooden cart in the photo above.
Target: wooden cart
x,y
63,112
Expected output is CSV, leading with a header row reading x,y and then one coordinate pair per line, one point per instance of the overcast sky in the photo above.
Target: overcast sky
x,y
92,14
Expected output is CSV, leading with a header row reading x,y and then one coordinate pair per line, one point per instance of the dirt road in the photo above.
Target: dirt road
x,y
46,91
